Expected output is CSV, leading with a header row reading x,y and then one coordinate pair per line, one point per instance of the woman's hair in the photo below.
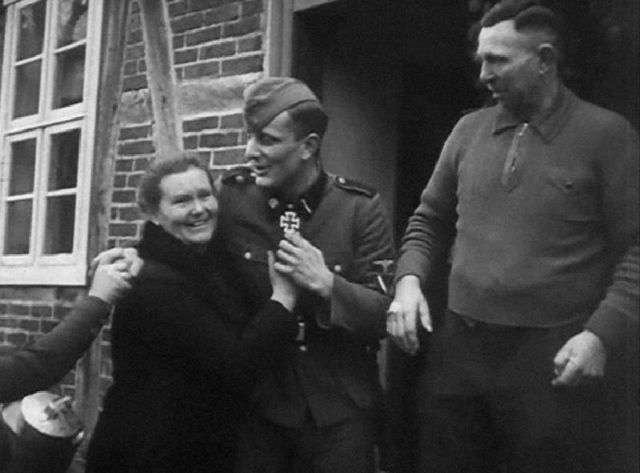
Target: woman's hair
x,y
149,193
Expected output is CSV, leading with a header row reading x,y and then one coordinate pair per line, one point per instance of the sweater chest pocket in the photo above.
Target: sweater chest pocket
x,y
571,196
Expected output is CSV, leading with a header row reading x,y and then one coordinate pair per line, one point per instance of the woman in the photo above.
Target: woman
x,y
184,352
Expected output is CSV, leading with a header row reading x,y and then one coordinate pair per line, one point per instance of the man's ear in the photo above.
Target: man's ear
x,y
548,55
312,144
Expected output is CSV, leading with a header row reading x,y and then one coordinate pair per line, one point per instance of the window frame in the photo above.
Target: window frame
x,y
37,268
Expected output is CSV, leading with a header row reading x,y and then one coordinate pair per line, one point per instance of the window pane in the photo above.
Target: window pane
x,y
23,163
18,228
63,170
27,89
72,21
31,31
69,77
60,223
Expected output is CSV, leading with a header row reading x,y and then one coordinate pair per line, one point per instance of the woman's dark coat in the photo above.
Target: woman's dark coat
x,y
184,360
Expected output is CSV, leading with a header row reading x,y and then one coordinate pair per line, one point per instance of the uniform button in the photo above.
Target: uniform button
x,y
247,255
273,203
337,268
302,348
240,179
341,180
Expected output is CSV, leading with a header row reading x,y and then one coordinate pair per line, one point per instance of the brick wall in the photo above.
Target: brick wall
x,y
214,40
28,312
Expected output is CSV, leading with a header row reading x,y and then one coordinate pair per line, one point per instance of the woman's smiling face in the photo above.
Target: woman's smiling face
x,y
188,208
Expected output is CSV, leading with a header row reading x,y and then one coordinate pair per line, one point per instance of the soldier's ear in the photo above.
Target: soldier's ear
x,y
311,145
548,55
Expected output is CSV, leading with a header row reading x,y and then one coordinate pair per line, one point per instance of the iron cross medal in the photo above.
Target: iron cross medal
x,y
289,221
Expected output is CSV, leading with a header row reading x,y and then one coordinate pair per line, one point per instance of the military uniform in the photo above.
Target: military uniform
x,y
330,374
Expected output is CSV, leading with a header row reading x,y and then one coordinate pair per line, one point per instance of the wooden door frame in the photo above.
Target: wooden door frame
x,y
279,32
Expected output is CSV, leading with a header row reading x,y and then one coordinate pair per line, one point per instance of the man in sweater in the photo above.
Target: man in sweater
x,y
536,198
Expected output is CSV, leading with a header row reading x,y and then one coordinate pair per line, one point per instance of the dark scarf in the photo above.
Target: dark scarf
x,y
203,269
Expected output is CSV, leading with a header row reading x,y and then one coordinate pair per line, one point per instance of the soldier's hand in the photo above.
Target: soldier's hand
x,y
111,281
581,360
408,307
304,263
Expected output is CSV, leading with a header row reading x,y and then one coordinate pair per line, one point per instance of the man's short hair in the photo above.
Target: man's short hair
x,y
308,117
527,15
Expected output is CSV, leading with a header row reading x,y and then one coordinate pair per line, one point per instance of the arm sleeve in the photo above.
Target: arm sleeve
x,y
619,168
184,329
48,359
431,228
359,305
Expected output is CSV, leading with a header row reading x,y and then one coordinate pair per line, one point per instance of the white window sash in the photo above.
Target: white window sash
x,y
37,268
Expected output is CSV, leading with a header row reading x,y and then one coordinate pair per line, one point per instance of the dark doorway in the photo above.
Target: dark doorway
x,y
395,76
433,99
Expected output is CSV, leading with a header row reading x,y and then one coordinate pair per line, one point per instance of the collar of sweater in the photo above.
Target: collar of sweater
x,y
549,126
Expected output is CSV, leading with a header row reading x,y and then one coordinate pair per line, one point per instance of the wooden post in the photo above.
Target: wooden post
x,y
279,37
161,77
115,14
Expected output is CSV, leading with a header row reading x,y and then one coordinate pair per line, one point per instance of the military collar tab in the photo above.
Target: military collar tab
x,y
306,204
548,127
312,197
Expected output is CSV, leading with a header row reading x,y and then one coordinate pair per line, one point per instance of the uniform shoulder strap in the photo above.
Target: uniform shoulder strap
x,y
350,185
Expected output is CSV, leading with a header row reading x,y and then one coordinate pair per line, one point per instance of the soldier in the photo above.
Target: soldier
x,y
315,411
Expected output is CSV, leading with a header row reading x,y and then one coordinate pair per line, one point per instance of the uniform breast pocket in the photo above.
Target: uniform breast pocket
x,y
571,196
249,267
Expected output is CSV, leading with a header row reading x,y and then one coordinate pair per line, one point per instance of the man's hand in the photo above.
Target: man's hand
x,y
304,263
128,255
582,359
408,306
111,281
